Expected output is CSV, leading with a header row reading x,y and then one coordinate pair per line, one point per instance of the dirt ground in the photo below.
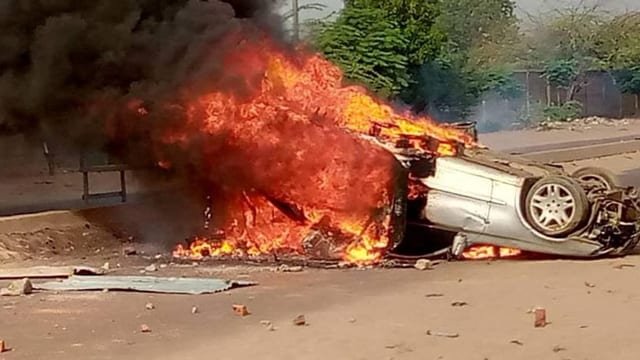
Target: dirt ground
x,y
351,314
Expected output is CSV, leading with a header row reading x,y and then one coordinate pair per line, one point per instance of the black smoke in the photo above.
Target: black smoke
x,y
66,66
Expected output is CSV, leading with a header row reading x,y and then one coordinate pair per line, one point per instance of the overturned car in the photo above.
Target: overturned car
x,y
480,197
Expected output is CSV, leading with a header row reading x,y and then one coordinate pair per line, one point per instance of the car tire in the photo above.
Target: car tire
x,y
603,177
556,206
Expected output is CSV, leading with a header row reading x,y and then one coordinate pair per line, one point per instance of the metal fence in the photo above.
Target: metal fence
x,y
600,96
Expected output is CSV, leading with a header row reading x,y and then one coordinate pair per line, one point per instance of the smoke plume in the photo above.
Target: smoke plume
x,y
66,66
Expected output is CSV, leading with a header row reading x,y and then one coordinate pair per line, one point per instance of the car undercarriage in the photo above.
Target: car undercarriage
x,y
480,197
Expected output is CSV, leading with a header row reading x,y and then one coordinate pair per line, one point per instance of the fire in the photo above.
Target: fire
x,y
481,252
279,137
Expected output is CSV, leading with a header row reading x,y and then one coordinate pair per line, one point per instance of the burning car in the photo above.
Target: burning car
x,y
300,164
480,197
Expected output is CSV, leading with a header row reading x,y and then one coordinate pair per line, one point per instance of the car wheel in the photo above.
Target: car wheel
x,y
602,177
556,206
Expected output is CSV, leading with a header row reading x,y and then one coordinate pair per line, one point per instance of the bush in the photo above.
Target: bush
x,y
565,112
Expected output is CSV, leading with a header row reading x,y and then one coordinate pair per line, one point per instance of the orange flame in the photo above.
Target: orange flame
x,y
292,133
482,252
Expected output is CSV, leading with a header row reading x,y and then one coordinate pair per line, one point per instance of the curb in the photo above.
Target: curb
x,y
582,152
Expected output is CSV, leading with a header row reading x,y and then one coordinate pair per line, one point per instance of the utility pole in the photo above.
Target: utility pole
x,y
296,20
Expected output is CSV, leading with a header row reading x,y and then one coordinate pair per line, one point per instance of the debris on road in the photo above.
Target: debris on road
x,y
589,285
145,329
149,306
240,310
2,346
287,268
268,325
299,320
106,266
432,295
129,250
516,342
540,317
558,348
622,266
195,310
423,264
168,285
459,303
151,268
17,288
48,272
442,334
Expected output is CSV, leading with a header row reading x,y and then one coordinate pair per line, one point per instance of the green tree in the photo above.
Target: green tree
x,y
482,38
485,31
383,43
619,48
369,46
416,20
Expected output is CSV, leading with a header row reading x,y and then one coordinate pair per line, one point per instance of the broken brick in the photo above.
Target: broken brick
x,y
240,310
540,317
299,320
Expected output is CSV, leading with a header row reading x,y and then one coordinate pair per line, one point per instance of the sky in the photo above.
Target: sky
x,y
523,6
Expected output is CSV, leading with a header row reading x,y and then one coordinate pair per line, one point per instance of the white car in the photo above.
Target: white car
x,y
480,197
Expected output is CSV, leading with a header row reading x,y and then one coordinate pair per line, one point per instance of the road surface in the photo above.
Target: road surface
x,y
351,314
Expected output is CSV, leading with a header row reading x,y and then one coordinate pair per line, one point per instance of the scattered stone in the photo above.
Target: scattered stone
x,y
105,290
459,303
106,266
149,306
557,349
589,285
151,268
158,256
442,334
584,326
352,320
145,328
240,310
516,342
17,288
540,317
268,325
195,310
287,268
129,251
432,295
299,320
162,266
423,264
